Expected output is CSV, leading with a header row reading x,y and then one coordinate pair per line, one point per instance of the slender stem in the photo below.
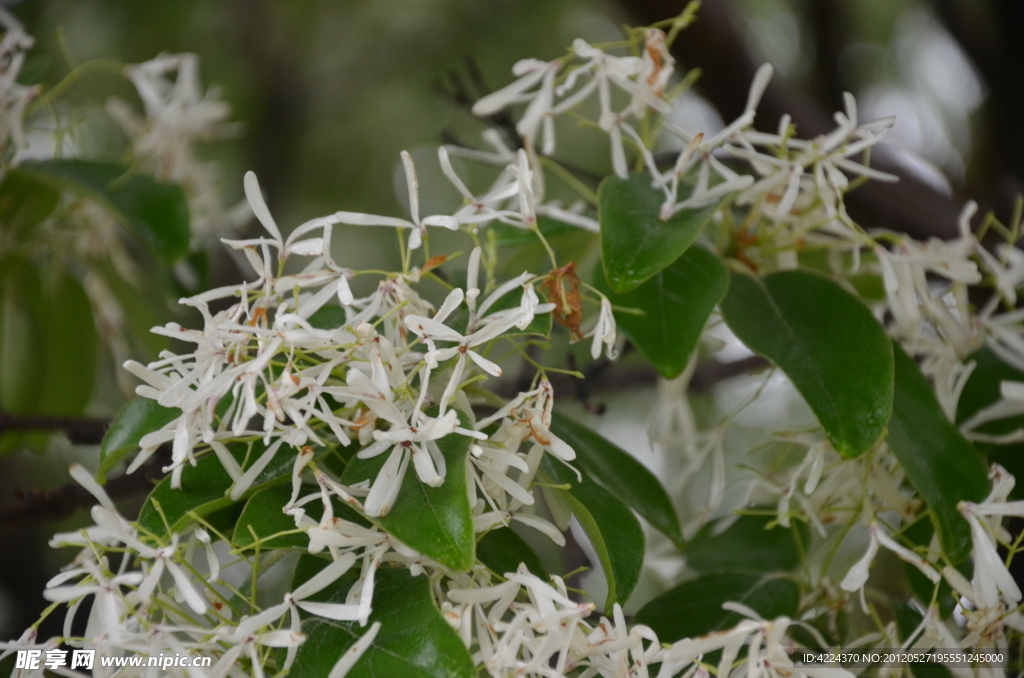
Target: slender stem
x,y
571,179
95,66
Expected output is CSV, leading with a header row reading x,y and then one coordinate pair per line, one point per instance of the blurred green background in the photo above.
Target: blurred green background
x,y
328,93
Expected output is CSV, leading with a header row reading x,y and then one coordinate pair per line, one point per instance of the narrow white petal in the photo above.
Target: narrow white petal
x,y
335,611
192,597
412,183
85,479
352,655
259,208
386,485
325,577
425,469
858,574
249,477
485,364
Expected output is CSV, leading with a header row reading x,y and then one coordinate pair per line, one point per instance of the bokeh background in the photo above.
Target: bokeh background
x,y
326,94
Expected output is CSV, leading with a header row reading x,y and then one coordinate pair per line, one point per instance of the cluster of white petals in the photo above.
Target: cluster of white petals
x,y
178,117
291,365
14,96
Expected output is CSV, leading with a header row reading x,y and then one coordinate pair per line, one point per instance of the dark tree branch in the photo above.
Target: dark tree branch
x,y
602,380
708,374
39,506
78,430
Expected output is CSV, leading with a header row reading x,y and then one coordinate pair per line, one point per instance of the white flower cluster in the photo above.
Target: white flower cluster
x,y
178,116
787,200
401,375
14,97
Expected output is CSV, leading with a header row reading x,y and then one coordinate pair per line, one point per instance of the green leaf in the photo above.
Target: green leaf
x,y
436,521
262,515
613,530
264,518
982,390
145,305
506,235
502,550
827,342
676,303
136,419
20,332
635,242
328,318
69,344
48,347
764,550
205,486
157,213
414,640
24,202
621,474
694,608
941,464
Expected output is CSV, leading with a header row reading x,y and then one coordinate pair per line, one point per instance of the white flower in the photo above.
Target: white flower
x,y
604,332
178,116
658,66
528,416
487,207
481,329
408,439
858,574
992,581
14,97
418,226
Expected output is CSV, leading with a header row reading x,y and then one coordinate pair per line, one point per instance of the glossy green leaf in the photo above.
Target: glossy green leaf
x,y
694,608
156,213
328,318
20,336
205,487
764,550
24,202
942,465
144,304
263,520
436,521
613,530
676,303
621,474
414,640
136,419
502,550
506,235
635,242
69,345
982,390
827,342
